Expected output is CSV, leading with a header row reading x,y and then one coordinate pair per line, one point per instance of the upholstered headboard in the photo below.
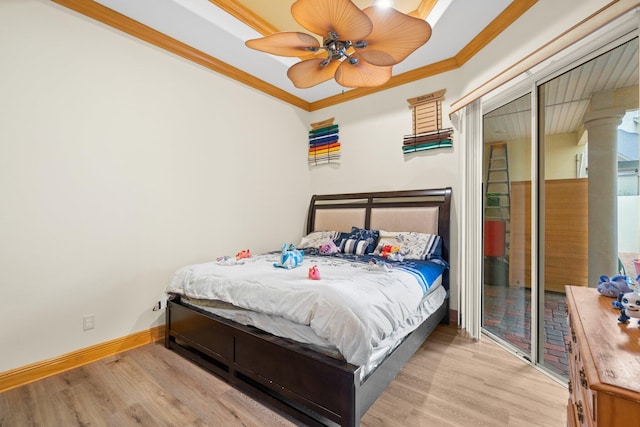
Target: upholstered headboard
x,y
425,211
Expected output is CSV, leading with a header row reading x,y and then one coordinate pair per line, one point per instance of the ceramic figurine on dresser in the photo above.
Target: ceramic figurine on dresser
x,y
629,303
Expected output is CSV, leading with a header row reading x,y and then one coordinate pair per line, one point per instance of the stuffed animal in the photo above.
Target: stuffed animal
x,y
387,249
614,286
629,305
227,260
328,248
243,254
290,258
392,253
395,256
314,273
375,265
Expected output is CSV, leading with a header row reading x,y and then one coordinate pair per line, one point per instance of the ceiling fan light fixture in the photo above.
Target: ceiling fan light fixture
x,y
361,45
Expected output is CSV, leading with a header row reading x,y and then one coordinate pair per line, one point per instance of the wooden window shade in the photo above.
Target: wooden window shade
x,y
426,112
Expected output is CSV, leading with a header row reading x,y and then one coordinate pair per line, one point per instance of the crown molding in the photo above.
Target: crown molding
x,y
134,28
242,13
111,18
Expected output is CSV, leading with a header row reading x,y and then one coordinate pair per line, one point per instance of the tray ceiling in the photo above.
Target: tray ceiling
x,y
212,33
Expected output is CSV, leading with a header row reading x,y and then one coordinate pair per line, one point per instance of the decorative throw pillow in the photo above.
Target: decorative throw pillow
x,y
354,246
413,245
317,238
359,241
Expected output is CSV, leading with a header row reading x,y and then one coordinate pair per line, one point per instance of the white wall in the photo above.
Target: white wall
x,y
119,163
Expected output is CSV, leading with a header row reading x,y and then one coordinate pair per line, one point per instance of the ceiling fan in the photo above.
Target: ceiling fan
x,y
359,47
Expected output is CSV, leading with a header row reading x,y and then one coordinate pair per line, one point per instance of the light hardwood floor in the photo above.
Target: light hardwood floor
x,y
451,381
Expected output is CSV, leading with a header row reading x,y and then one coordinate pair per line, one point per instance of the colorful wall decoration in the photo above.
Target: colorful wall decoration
x,y
324,144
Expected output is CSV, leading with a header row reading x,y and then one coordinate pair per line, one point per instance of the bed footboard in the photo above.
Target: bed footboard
x,y
311,387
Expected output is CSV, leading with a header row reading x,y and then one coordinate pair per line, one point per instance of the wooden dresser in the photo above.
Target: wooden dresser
x,y
604,362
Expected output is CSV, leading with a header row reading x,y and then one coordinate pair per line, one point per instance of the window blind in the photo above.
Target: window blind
x,y
428,134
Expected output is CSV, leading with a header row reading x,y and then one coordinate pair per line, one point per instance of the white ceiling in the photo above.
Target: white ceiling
x,y
208,28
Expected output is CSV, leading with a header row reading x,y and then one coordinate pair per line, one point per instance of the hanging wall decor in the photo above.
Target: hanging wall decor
x,y
324,145
428,134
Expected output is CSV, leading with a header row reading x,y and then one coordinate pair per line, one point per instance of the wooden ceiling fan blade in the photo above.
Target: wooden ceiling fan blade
x,y
394,37
311,72
285,44
340,16
362,74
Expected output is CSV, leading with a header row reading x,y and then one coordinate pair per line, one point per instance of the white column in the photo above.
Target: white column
x,y
602,125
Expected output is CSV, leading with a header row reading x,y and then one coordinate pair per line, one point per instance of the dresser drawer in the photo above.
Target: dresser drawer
x,y
572,415
584,392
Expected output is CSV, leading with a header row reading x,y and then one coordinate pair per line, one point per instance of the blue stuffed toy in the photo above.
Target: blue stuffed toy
x,y
290,258
614,286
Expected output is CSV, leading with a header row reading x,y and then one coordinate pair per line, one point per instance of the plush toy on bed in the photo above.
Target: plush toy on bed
x,y
290,258
392,253
246,253
328,248
614,286
227,260
381,266
314,273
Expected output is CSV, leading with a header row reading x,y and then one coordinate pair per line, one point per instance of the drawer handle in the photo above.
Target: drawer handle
x,y
570,387
573,335
583,378
580,412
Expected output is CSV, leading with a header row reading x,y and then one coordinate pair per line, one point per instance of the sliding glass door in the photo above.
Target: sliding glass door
x,y
557,199
507,236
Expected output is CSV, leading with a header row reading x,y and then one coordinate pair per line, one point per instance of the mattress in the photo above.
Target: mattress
x,y
303,334
356,310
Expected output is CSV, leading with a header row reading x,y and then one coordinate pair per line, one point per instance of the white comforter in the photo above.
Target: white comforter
x,y
351,307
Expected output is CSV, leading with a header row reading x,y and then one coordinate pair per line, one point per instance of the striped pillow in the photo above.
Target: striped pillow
x,y
354,246
359,241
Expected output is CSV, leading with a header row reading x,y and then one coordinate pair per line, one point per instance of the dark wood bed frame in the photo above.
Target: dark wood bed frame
x,y
313,388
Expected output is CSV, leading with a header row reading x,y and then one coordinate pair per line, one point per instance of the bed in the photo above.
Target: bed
x,y
312,383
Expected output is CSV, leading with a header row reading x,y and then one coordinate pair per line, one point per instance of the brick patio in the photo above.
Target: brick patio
x,y
503,316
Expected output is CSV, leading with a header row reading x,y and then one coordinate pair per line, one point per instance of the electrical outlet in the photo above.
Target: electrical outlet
x,y
88,322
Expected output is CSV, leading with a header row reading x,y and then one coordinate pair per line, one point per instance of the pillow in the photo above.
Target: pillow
x,y
317,238
354,246
413,245
359,241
